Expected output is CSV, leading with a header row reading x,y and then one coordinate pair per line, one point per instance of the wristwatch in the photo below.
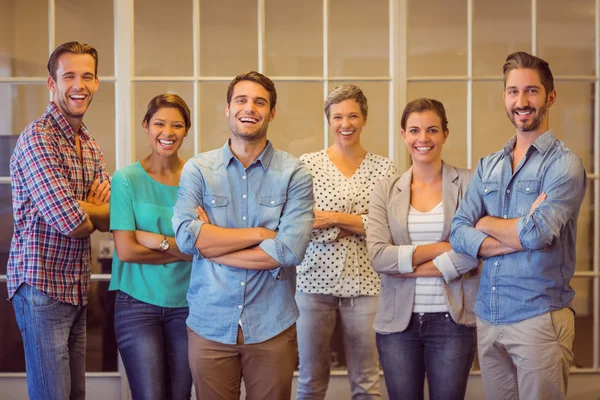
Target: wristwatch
x,y
164,244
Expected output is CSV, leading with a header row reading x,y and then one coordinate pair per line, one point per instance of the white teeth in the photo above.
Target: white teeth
x,y
424,148
166,142
346,133
78,96
523,112
247,119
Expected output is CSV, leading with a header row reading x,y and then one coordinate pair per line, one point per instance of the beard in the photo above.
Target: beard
x,y
251,135
538,117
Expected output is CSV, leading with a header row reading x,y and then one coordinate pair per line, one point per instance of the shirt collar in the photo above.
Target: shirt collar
x,y
264,158
541,144
66,129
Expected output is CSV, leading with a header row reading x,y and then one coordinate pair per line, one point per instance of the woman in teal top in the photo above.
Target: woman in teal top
x,y
150,274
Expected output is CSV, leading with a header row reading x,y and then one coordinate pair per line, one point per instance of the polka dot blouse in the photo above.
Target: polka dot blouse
x,y
341,267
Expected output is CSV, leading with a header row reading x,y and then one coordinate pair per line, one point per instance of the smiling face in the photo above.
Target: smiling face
x,y
166,131
526,101
249,112
424,136
75,86
346,122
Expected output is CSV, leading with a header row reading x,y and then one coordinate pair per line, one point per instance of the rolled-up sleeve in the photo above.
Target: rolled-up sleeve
x,y
565,191
295,224
453,265
186,224
464,237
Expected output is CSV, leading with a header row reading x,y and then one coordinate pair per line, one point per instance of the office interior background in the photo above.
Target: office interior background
x,y
395,50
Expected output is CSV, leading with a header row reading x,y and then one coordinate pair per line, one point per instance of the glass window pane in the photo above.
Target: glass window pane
x,y
298,124
583,303
566,36
584,249
100,120
454,97
12,358
214,127
163,52
491,127
358,38
73,23
489,48
437,38
294,37
375,135
228,40
23,38
20,105
144,92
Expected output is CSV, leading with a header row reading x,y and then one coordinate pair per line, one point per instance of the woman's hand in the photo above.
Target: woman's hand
x,y
324,219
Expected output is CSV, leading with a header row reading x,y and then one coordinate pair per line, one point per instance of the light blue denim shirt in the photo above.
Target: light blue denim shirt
x,y
536,280
274,192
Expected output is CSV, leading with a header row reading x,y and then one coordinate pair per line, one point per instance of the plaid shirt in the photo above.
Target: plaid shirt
x,y
47,179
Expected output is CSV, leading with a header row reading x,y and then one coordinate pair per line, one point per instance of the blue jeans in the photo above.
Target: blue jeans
x,y
54,340
153,344
432,344
316,324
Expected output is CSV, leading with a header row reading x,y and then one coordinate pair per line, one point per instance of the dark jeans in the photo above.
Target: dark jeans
x,y
432,344
153,344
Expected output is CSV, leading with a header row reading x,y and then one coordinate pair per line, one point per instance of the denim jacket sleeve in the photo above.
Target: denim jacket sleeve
x,y
565,190
295,224
186,224
464,238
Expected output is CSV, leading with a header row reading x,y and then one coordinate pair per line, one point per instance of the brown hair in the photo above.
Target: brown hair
x,y
423,104
521,59
74,48
256,77
168,100
345,92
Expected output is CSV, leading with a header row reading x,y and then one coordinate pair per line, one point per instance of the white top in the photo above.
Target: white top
x,y
341,267
426,228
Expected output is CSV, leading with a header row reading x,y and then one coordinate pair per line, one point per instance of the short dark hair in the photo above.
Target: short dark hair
x,y
71,47
168,100
256,77
346,92
521,59
423,104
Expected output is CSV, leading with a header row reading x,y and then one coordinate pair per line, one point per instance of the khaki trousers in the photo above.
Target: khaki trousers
x,y
267,367
527,360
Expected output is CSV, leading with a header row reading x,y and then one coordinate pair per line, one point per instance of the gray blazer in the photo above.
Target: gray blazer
x,y
388,227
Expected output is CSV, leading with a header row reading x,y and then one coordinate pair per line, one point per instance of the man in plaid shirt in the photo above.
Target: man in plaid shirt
x,y
60,192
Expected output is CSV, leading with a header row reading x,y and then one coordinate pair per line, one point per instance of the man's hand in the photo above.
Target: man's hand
x,y
537,202
99,193
202,215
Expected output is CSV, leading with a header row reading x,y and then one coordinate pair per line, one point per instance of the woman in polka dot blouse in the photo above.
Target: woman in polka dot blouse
x,y
335,277
425,320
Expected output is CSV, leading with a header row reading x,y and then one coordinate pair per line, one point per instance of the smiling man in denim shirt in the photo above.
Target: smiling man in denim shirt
x,y
520,215
245,211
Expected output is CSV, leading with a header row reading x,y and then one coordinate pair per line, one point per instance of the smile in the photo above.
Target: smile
x,y
524,112
346,133
250,120
423,149
166,142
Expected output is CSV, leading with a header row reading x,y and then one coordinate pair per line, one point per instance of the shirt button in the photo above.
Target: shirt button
x,y
213,202
527,189
496,263
485,191
505,216
493,288
240,306
242,283
244,196
244,218
244,177
507,190
272,201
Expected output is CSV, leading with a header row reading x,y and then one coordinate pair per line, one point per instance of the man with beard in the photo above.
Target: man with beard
x,y
520,215
60,192
245,211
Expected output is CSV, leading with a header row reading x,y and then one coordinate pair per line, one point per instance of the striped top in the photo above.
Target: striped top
x,y
426,228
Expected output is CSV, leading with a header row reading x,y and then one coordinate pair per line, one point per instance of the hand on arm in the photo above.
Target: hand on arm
x,y
351,223
424,270
96,205
253,258
129,250
214,241
152,241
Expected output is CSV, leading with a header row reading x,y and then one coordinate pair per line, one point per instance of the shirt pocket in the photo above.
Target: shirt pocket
x,y
215,207
270,209
527,192
489,193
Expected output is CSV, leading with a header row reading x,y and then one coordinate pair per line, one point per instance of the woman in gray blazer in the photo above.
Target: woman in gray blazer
x,y
425,320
